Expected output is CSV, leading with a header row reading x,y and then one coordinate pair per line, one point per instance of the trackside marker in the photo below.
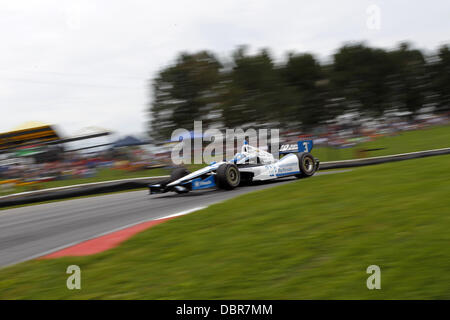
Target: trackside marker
x,y
112,239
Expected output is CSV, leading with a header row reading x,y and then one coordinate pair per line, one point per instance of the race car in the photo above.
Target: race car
x,y
247,166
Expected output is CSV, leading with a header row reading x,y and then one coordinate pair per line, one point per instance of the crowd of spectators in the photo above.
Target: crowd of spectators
x,y
352,132
72,165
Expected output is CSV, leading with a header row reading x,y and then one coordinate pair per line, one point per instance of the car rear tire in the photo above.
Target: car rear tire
x,y
228,176
307,165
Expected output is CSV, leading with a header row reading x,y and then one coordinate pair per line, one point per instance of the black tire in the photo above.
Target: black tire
x,y
228,176
307,165
175,175
178,173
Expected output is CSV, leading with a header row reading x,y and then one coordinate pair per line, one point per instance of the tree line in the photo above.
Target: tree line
x,y
300,92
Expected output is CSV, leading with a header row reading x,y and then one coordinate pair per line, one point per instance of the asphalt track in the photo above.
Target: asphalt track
x,y
32,231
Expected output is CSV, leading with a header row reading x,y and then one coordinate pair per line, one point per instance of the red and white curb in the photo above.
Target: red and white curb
x,y
110,239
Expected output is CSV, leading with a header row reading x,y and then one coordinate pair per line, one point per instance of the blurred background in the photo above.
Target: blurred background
x,y
92,91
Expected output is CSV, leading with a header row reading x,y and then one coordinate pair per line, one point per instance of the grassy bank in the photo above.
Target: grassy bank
x,y
313,238
408,141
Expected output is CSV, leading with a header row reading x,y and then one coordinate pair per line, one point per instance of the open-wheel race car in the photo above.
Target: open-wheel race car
x,y
251,164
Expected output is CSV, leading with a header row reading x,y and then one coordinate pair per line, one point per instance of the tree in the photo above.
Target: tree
x,y
183,93
439,71
252,87
361,75
304,76
253,90
408,82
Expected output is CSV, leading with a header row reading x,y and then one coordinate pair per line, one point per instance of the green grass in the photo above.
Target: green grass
x,y
408,141
104,174
310,239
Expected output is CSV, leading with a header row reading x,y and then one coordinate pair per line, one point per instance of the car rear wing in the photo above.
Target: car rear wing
x,y
300,146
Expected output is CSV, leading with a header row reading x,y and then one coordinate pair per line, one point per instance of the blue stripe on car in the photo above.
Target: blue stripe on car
x,y
199,183
287,173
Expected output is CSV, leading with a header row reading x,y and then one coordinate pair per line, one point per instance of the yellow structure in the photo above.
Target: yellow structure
x,y
27,133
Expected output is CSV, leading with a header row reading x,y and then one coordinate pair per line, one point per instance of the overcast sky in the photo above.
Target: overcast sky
x,y
88,63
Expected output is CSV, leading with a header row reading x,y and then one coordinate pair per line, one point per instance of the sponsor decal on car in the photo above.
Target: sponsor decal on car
x,y
203,183
288,147
285,170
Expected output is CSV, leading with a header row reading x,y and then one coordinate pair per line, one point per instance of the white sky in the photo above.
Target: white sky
x,y
88,63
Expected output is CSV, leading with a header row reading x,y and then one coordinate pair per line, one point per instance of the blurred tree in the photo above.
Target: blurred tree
x,y
183,93
439,70
408,81
360,76
303,74
252,90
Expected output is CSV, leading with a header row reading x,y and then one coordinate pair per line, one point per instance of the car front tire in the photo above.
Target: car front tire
x,y
228,176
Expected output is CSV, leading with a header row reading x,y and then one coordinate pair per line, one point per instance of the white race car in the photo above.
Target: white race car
x,y
251,164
